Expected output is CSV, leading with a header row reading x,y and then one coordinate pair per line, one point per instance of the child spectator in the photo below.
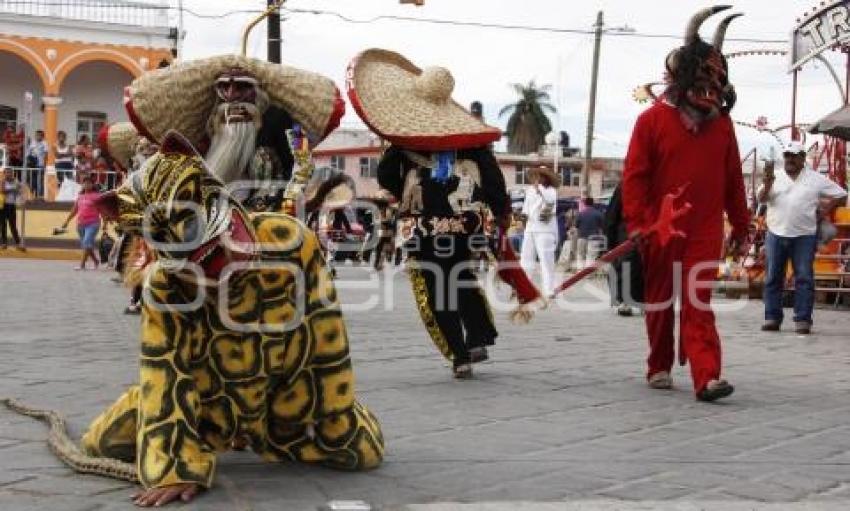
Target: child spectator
x,y
88,221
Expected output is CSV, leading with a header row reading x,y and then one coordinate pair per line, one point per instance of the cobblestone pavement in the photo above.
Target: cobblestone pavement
x,y
560,415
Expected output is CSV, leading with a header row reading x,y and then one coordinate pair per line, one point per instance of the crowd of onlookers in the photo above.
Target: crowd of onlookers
x,y
72,161
78,166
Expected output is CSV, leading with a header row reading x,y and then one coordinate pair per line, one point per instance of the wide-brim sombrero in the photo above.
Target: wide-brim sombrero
x,y
335,192
546,172
118,140
383,195
181,97
412,107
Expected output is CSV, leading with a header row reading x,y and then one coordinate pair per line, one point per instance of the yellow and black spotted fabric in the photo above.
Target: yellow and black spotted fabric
x,y
265,362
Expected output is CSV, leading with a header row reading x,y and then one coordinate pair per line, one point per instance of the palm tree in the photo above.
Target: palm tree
x,y
528,123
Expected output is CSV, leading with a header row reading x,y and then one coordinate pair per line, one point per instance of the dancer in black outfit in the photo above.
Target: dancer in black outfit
x,y
625,279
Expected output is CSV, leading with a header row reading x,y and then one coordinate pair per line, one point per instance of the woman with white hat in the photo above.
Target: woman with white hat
x,y
440,165
541,227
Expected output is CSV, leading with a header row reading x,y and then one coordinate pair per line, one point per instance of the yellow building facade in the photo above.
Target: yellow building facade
x,y
65,64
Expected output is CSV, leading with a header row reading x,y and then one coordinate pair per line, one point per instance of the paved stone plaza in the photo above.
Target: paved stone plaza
x,y
561,414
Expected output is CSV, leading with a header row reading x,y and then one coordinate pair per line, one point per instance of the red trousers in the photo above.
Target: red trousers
x,y
684,269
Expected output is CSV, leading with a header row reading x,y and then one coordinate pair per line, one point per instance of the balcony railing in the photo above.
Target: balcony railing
x,y
121,12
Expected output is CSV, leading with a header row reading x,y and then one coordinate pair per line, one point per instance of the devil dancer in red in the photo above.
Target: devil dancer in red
x,y
687,138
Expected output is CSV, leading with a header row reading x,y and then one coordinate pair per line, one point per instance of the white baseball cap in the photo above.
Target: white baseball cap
x,y
794,147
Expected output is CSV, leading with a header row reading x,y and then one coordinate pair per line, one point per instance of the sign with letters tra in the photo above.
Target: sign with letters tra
x,y
826,27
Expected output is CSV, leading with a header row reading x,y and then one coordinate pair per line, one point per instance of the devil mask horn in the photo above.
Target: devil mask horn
x,y
692,33
720,33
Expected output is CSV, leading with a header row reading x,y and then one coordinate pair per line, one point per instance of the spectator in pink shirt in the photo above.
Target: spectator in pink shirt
x,y
88,221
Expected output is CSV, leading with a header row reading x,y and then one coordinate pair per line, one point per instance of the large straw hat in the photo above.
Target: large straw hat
x,y
333,193
383,196
546,173
412,107
181,97
119,140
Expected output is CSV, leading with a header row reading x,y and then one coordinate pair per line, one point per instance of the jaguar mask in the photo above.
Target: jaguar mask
x,y
183,212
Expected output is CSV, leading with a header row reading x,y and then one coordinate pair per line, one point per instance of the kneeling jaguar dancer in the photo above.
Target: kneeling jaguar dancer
x,y
687,139
442,171
243,343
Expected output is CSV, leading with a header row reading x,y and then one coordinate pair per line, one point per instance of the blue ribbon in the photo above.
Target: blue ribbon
x,y
443,170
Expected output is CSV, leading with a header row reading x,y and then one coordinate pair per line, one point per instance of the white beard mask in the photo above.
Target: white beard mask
x,y
232,146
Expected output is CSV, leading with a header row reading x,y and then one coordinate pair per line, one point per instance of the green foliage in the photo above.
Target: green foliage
x,y
528,123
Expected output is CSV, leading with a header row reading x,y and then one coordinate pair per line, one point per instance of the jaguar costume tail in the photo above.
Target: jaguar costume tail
x,y
68,452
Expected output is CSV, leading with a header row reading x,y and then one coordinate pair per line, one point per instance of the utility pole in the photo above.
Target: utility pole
x,y
591,114
274,34
180,30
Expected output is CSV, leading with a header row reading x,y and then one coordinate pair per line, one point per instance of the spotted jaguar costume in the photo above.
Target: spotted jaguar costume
x,y
242,338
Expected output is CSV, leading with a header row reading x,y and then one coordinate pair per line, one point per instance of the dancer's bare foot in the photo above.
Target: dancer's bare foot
x,y
162,496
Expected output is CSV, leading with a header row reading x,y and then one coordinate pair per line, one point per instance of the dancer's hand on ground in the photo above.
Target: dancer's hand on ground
x,y
162,496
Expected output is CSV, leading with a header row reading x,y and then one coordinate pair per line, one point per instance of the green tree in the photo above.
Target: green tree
x,y
528,123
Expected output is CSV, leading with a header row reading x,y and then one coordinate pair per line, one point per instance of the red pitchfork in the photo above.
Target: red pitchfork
x,y
663,228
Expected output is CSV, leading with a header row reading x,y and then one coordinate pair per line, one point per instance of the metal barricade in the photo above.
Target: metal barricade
x,y
112,180
35,179
105,179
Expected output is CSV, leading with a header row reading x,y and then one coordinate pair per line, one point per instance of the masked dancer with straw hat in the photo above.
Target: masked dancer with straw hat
x,y
236,111
440,167
122,144
687,139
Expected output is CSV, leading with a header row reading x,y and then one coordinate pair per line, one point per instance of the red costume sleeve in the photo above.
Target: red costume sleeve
x,y
637,176
735,201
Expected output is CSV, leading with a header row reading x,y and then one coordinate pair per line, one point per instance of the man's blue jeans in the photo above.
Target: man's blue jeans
x,y
801,251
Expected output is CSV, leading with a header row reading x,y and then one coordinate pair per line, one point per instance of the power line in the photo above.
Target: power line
x,y
504,26
376,19
142,6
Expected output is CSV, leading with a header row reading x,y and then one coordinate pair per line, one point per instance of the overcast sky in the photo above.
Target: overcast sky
x,y
484,61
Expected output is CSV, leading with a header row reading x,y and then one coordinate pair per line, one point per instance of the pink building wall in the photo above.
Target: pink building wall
x,y
350,159
357,152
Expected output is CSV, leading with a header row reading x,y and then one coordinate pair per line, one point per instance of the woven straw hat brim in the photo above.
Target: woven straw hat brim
x,y
181,97
339,197
119,141
553,178
381,87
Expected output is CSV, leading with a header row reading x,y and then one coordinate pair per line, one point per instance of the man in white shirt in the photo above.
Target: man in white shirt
x,y
36,159
796,199
541,227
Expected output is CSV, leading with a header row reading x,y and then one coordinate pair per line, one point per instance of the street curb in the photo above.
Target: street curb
x,y
47,254
620,505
